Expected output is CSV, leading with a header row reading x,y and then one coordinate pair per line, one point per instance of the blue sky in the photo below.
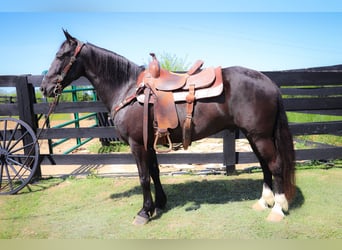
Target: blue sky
x,y
254,36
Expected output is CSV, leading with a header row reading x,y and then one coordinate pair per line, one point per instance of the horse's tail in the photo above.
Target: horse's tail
x,y
286,153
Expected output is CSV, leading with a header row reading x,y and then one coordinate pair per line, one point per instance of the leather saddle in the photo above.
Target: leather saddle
x,y
163,89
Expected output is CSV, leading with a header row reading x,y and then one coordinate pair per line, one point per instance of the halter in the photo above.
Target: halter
x,y
58,88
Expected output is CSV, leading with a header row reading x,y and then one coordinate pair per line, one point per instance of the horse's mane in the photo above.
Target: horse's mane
x,y
112,65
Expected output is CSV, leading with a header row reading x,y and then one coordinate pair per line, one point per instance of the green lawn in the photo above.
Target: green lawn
x,y
205,207
297,117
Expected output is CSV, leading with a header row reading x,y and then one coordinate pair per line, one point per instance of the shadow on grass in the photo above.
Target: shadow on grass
x,y
197,193
41,185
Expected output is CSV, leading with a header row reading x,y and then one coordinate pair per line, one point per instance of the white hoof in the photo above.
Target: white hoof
x,y
280,205
259,205
275,216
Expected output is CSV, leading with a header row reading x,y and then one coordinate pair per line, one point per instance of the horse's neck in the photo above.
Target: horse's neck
x,y
113,82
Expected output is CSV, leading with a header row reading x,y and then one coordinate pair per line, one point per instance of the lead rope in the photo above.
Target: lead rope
x,y
51,110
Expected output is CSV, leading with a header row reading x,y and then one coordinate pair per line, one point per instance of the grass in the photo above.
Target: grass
x,y
113,146
297,117
203,207
334,140
316,164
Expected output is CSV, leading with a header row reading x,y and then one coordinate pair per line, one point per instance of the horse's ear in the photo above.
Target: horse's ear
x,y
68,36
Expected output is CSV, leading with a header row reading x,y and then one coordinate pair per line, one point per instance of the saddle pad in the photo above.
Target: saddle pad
x,y
199,94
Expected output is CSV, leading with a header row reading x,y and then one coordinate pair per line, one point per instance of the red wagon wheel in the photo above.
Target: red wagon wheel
x,y
19,155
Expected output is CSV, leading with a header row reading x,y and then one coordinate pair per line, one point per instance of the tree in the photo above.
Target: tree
x,y
172,62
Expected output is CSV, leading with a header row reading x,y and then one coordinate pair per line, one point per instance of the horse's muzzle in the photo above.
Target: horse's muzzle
x,y
48,90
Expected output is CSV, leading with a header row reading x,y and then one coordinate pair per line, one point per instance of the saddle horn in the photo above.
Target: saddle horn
x,y
154,66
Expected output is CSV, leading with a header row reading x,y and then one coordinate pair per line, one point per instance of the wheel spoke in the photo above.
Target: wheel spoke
x,y
12,136
18,140
1,173
21,156
18,156
17,173
23,147
4,137
22,165
10,183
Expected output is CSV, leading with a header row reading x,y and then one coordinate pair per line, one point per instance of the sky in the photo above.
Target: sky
x,y
261,36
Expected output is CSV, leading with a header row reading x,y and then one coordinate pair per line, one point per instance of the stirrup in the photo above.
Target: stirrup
x,y
159,135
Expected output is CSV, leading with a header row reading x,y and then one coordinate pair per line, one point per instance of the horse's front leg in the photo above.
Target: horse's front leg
x,y
160,197
143,160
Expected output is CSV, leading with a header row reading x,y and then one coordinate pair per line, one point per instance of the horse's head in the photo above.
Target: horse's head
x,y
65,68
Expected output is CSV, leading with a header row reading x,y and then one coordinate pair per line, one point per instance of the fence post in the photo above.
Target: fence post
x,y
25,99
229,156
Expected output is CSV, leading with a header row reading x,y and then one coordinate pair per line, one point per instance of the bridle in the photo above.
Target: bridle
x,y
59,87
57,91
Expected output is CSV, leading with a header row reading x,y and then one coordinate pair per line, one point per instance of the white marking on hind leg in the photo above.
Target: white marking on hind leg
x,y
280,205
267,195
267,199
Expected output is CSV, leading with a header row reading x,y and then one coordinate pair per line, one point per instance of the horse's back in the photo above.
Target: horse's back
x,y
253,98
240,78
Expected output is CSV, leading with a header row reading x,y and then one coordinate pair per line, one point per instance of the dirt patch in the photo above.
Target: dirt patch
x,y
201,146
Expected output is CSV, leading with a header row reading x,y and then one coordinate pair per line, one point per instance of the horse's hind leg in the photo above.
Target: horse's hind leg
x,y
266,199
269,159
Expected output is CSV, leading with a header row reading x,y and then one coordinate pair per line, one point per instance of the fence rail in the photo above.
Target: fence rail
x,y
317,90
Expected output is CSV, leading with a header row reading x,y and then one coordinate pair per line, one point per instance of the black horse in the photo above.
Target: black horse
x,y
250,101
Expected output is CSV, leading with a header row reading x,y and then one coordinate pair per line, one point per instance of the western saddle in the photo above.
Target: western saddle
x,y
163,89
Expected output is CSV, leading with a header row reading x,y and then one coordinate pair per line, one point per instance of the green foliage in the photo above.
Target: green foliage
x,y
172,62
114,146
79,93
93,174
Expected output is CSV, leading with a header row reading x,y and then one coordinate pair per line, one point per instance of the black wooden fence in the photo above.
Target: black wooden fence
x,y
315,90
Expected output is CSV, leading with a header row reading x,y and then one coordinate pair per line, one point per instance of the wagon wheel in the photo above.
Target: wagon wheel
x,y
18,155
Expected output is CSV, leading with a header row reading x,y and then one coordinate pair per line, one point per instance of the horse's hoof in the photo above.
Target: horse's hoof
x,y
275,217
258,206
140,220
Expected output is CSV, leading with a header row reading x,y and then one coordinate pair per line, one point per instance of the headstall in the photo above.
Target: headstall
x,y
59,88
